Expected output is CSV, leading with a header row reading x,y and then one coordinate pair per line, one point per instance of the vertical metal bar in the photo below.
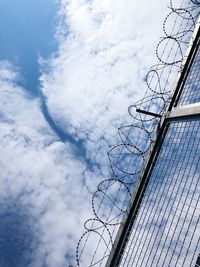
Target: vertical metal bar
x,y
187,66
118,249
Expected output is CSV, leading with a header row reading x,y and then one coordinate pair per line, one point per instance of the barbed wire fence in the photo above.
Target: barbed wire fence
x,y
110,200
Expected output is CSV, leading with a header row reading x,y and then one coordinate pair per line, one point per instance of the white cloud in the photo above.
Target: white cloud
x,y
42,173
100,66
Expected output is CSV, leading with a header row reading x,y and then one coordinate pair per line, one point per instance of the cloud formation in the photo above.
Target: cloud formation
x,y
105,49
40,176
99,70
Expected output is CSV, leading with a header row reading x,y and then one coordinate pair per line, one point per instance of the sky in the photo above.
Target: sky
x,y
69,69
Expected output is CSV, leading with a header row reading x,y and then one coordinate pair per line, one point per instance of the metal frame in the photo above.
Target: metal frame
x,y
172,114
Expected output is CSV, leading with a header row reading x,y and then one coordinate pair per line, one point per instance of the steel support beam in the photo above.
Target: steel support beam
x,y
184,112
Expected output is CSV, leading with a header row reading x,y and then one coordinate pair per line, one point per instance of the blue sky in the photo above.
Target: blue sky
x,y
30,34
27,32
56,126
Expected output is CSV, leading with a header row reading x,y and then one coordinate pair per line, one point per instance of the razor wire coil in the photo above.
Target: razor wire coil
x,y
127,159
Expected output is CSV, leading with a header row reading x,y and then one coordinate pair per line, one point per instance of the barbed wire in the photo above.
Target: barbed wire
x,y
127,159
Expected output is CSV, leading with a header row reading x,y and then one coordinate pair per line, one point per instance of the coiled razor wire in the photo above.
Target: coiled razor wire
x,y
110,201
